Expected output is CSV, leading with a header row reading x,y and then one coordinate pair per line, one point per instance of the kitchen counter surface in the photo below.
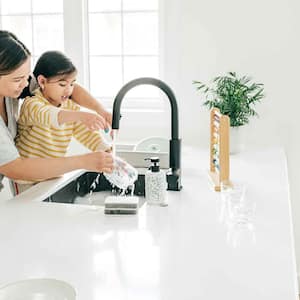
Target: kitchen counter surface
x,y
185,251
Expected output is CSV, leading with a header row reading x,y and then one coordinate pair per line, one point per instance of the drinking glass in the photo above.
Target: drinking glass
x,y
123,174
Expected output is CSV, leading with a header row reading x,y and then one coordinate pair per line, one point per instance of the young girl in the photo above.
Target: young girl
x,y
49,119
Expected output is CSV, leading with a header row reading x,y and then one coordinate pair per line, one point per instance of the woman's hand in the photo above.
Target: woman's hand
x,y
98,162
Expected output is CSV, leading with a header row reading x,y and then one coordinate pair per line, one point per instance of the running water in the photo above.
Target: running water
x,y
114,138
122,177
92,188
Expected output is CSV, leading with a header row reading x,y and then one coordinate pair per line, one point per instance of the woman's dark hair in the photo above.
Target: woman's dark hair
x,y
53,63
13,53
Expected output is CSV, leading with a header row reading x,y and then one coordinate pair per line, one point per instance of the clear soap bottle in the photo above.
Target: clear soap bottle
x,y
155,184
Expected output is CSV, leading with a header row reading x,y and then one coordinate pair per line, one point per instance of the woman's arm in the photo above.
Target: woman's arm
x,y
45,168
85,99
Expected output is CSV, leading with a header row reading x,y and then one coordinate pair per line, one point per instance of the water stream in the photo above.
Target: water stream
x,y
114,139
122,178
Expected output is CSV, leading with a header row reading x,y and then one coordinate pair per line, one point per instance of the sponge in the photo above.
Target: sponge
x,y
121,205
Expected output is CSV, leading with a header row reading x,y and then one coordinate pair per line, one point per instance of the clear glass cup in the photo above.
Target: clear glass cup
x,y
239,235
240,207
231,196
243,212
235,196
123,175
238,214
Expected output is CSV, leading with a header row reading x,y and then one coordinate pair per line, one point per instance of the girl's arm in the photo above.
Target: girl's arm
x,y
85,99
90,120
90,139
45,168
34,112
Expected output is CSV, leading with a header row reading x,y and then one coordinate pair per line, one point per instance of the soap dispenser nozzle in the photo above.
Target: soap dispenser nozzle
x,y
154,163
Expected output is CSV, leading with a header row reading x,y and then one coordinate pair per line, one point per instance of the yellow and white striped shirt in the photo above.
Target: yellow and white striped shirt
x,y
40,135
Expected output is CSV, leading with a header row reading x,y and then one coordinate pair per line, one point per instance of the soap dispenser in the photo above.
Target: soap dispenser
x,y
155,184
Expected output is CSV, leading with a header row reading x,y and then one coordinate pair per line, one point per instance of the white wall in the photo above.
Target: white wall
x,y
261,38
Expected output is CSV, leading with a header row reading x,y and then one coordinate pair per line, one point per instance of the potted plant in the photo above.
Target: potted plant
x,y
234,96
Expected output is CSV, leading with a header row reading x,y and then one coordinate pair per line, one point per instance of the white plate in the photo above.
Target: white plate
x,y
38,289
153,144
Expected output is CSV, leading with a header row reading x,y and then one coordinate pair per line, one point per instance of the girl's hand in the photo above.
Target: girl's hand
x,y
92,121
108,118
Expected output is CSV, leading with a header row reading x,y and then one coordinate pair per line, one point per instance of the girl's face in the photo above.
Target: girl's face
x,y
12,85
57,89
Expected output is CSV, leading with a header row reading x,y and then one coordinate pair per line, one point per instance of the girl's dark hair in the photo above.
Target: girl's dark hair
x,y
53,63
13,53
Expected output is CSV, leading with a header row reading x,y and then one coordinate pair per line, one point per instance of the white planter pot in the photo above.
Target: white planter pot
x,y
237,139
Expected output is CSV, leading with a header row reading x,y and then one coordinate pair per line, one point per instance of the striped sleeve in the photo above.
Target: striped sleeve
x,y
90,139
36,112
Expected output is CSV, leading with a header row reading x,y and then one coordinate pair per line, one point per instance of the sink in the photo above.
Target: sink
x,y
136,154
40,288
77,191
80,188
96,198
153,144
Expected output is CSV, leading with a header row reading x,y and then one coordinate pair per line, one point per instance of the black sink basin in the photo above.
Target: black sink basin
x,y
82,186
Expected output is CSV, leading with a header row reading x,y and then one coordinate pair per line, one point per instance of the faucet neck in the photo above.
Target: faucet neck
x,y
175,143
149,81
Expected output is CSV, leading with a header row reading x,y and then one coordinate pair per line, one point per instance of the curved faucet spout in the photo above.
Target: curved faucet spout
x,y
174,181
150,81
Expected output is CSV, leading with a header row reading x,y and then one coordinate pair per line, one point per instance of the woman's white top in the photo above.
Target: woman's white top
x,y
8,150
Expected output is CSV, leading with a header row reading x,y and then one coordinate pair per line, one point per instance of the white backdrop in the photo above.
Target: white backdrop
x,y
261,38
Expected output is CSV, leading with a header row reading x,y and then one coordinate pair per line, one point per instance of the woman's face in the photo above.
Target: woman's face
x,y
12,85
57,89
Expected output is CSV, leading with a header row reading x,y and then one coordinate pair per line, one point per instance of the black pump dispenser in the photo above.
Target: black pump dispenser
x,y
154,164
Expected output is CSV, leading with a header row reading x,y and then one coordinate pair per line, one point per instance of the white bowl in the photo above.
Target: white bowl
x,y
153,144
38,289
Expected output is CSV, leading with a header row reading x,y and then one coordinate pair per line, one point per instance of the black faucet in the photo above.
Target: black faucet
x,y
174,175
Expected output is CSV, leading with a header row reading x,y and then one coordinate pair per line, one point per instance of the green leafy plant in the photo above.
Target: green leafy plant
x,y
234,96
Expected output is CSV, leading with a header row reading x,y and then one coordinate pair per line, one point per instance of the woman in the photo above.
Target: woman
x,y
14,74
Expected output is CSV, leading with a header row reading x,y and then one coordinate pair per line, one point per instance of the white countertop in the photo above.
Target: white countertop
x,y
184,251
